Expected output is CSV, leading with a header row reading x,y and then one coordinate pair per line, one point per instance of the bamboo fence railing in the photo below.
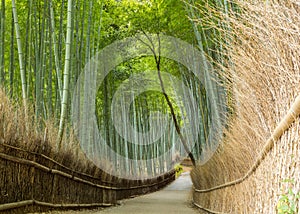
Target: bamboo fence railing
x,y
30,180
280,129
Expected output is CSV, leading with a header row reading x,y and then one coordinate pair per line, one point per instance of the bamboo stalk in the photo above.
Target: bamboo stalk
x,y
19,204
56,55
64,102
39,80
157,58
20,52
50,77
2,46
184,143
11,60
14,205
27,56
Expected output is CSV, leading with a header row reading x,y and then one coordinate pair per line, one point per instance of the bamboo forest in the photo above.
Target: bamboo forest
x,y
149,106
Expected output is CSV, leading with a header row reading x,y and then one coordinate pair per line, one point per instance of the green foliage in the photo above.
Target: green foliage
x,y
128,17
94,25
178,170
289,200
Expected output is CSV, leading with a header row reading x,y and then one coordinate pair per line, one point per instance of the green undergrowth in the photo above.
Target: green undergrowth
x,y
288,202
178,170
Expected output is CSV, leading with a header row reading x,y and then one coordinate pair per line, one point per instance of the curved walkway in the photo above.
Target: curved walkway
x,y
173,199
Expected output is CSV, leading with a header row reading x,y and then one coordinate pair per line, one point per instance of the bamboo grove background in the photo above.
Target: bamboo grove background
x,y
44,48
253,47
47,44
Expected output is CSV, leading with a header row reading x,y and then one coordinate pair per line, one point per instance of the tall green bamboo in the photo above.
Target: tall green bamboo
x,y
2,46
59,53
50,77
12,59
20,52
40,66
214,93
27,57
87,84
56,55
64,101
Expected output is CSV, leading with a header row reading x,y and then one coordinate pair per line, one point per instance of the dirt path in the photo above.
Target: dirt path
x,y
171,200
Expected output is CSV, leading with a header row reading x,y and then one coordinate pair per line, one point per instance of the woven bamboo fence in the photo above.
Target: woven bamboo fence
x,y
256,168
30,181
259,189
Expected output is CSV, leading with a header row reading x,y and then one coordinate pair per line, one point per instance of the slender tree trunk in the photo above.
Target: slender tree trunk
x,y
170,105
59,53
2,46
12,59
37,56
50,69
178,130
64,102
40,73
20,53
27,56
56,55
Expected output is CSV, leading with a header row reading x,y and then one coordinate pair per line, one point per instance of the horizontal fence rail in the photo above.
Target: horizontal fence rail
x,y
281,128
18,204
33,179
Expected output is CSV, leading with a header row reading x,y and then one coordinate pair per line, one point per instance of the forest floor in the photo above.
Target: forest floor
x,y
175,198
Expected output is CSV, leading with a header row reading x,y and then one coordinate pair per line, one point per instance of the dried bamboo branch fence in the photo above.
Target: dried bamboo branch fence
x,y
282,127
258,161
32,181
